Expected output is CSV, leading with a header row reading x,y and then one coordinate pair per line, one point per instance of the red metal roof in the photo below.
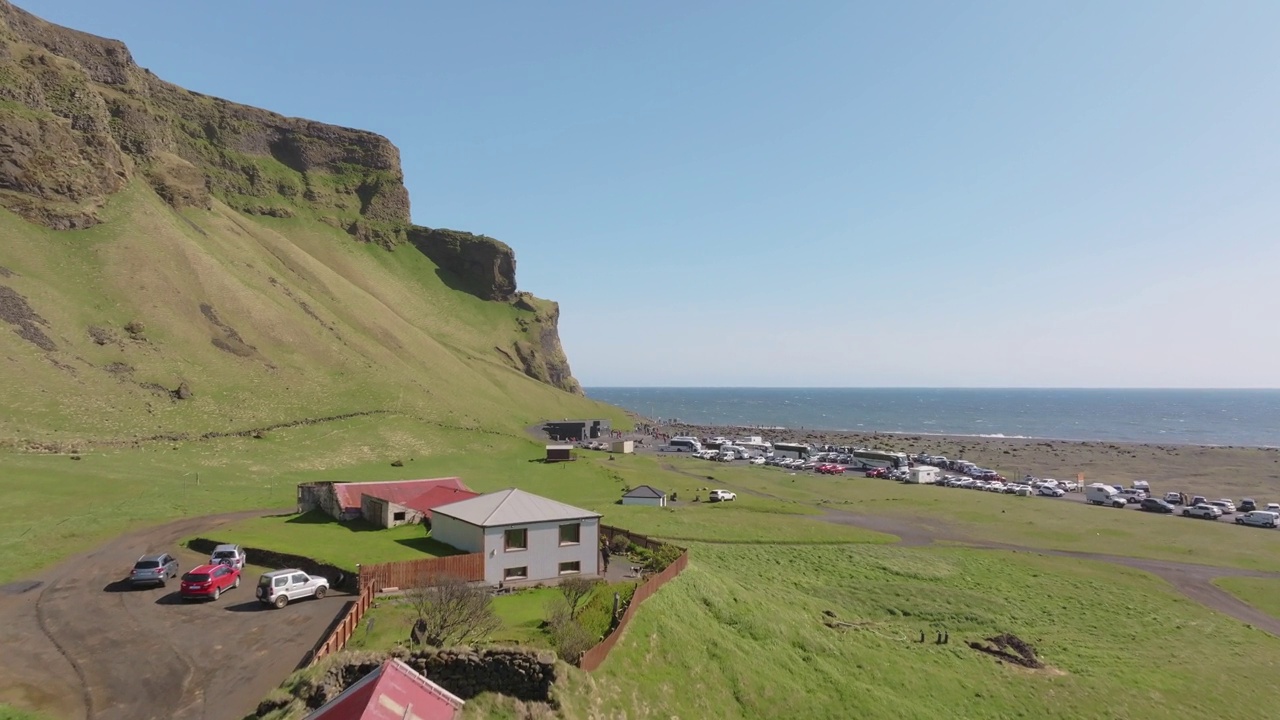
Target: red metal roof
x,y
394,691
396,491
437,496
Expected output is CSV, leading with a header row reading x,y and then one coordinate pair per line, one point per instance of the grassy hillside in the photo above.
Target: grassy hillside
x,y
266,320
355,354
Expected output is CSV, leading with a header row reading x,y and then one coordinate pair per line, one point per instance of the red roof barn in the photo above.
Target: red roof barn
x,y
394,691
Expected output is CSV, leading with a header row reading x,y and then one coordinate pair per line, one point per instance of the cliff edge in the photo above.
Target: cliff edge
x,y
80,120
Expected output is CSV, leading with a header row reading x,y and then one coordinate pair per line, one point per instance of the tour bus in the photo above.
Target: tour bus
x,y
868,459
796,451
683,444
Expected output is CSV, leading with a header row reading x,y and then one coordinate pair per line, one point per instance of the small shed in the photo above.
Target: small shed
x,y
559,453
923,475
623,446
645,495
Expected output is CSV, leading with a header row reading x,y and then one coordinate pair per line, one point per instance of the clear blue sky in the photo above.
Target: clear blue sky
x,y
813,193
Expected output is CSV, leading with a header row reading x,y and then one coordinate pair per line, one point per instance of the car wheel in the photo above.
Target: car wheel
x,y
320,593
217,593
281,601
237,583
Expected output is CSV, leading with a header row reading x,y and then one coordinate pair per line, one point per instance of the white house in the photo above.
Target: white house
x,y
525,538
645,495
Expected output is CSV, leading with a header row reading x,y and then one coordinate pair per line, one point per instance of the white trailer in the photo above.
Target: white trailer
x,y
922,475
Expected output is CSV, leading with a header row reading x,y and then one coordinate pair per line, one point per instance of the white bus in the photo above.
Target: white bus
x,y
683,444
868,459
796,451
755,444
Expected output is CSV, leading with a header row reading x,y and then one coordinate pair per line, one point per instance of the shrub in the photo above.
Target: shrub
x,y
662,558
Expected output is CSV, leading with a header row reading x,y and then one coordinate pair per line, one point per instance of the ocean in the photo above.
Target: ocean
x,y
1185,417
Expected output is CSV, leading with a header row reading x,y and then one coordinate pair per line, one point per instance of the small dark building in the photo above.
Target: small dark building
x,y
559,453
577,430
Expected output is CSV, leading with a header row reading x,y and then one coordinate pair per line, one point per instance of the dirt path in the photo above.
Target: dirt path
x,y
93,649
1192,580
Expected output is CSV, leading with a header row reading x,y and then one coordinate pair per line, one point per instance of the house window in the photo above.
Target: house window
x,y
398,517
571,534
516,573
517,539
570,568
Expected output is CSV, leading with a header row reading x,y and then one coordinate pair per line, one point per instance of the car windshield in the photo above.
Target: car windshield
x,y
225,554
196,577
147,565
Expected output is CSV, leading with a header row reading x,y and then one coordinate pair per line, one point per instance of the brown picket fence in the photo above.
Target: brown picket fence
x,y
592,658
345,627
420,573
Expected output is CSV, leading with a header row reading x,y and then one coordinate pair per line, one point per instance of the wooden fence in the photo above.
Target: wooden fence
x,y
345,627
592,658
609,532
419,573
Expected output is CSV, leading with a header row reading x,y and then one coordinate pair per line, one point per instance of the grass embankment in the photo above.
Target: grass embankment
x,y
741,634
1030,521
1262,593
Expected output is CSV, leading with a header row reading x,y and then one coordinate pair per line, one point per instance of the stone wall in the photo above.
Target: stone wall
x,y
522,674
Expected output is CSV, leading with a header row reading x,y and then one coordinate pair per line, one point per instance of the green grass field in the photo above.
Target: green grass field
x,y
741,634
1262,593
1032,522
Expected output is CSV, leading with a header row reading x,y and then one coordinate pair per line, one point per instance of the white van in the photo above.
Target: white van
x,y
1259,518
1099,494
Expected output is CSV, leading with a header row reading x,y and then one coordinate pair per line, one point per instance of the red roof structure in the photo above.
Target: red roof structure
x,y
396,491
394,691
437,496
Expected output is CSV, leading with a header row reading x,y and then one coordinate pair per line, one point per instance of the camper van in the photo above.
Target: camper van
x,y
738,452
1099,494
922,475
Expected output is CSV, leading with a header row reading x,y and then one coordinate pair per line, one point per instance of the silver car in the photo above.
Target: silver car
x,y
281,587
228,555
155,569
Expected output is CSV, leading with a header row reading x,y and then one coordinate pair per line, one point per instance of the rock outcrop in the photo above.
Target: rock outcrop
x,y
540,354
476,264
79,119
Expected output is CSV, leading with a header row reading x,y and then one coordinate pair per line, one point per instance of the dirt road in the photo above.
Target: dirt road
x,y
81,644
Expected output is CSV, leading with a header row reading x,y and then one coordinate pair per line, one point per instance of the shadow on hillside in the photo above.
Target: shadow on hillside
x,y
451,279
430,546
318,517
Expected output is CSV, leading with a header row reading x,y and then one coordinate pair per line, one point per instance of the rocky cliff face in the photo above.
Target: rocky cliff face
x,y
79,120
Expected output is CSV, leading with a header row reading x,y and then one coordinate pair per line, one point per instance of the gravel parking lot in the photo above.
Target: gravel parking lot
x,y
93,648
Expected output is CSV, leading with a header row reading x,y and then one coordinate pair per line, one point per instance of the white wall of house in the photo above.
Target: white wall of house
x,y
544,554
452,531
652,502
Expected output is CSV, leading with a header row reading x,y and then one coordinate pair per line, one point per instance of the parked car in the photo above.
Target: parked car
x,y
1259,518
281,587
1247,505
721,496
227,555
154,569
758,460
1226,506
209,581
1205,512
877,473
1155,505
1273,507
1132,496
1199,500
1174,497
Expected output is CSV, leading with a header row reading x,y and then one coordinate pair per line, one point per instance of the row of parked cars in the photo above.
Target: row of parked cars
x,y
1246,513
222,573
1024,488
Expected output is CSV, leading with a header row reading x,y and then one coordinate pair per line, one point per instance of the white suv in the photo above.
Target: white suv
x,y
721,495
280,587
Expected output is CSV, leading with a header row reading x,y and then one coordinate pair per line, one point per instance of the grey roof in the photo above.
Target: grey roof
x,y
645,491
511,507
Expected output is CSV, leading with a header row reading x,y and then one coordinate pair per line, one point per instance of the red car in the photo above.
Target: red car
x,y
878,472
209,581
